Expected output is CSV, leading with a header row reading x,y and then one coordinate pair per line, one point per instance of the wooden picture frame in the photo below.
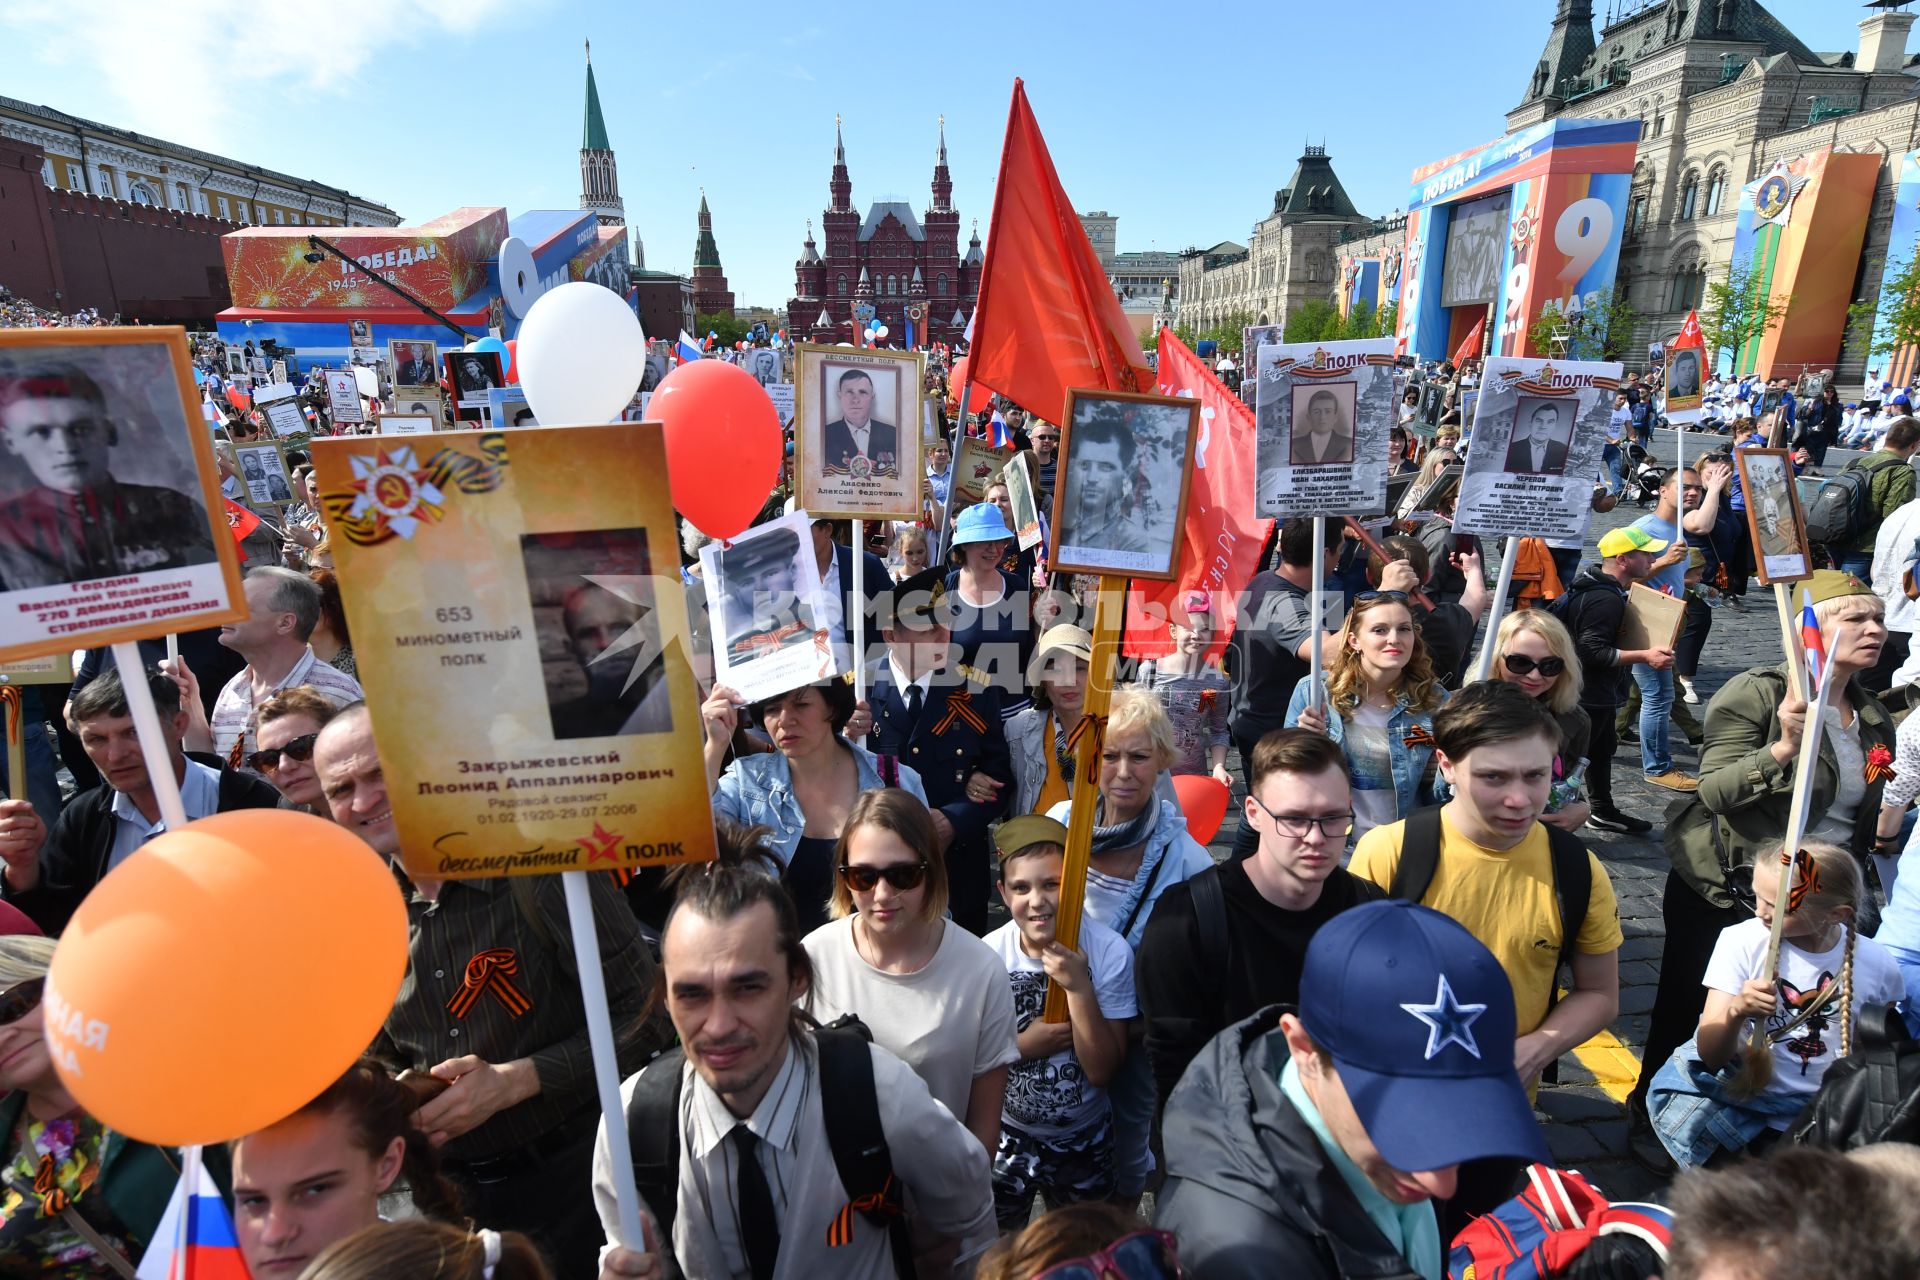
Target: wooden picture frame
x,y
975,463
1653,619
270,461
470,403
1775,522
830,481
173,566
1142,532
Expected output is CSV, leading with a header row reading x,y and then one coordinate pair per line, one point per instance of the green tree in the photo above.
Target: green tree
x,y
729,329
1150,341
1361,322
1388,321
1311,321
1740,311
1890,320
1600,329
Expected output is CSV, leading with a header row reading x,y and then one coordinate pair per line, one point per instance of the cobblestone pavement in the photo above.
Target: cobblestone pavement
x,y
1586,1125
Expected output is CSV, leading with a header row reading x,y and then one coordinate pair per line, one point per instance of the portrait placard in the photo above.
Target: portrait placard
x,y
1428,496
1538,430
284,417
1685,384
1652,619
343,396
236,359
414,362
406,424
764,364
856,445
1120,492
472,374
278,372
1324,412
52,668
1775,521
359,333
1018,475
533,684
263,473
781,393
975,462
508,407
420,402
110,505
763,588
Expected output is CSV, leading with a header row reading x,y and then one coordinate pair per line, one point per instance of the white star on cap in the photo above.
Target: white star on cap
x,y
1448,1021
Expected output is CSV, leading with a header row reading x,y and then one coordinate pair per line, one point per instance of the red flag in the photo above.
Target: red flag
x,y
1471,347
1223,537
240,520
1046,319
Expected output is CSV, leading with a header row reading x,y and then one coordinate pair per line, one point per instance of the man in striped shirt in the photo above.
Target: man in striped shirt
x,y
285,608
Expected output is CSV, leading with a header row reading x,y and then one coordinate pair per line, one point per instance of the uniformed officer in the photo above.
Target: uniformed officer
x,y
947,727
73,521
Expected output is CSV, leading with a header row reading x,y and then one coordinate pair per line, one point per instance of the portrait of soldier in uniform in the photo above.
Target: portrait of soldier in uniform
x,y
65,516
1099,485
759,605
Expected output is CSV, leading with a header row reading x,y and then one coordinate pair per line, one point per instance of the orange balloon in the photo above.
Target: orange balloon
x,y
224,975
1204,802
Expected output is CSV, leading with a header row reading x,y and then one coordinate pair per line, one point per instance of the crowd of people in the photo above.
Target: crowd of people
x,y
1314,1056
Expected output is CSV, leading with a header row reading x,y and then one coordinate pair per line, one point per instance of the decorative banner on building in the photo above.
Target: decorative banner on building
x,y
1900,365
1538,432
1324,413
110,524
1360,282
522,637
1799,230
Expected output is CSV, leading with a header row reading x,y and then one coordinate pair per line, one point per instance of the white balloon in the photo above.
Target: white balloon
x,y
881,332
580,355
367,381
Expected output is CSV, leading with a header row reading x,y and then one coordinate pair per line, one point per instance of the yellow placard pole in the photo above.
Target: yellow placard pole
x,y
1086,777
15,715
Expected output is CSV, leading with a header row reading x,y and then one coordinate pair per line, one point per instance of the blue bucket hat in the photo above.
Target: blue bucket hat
x,y
981,522
1419,1019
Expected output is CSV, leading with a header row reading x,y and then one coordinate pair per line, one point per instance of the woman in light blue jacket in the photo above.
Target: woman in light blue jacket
x,y
803,789
1377,699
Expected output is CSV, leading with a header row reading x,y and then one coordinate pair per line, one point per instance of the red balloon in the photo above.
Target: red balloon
x,y
513,356
723,444
979,401
1204,800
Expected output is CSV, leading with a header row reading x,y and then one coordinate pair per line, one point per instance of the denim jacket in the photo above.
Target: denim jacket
x,y
1168,842
1414,775
758,791
1695,1118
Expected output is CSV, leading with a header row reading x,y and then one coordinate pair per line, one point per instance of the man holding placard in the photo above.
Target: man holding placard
x,y
490,1021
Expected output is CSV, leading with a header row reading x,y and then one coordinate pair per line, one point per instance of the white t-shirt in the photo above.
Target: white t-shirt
x,y
1801,1056
950,1022
1370,767
1052,1097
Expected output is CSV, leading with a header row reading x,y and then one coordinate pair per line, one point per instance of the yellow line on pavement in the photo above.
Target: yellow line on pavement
x,y
1613,1065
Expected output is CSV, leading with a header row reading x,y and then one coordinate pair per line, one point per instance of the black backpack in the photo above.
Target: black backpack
x,y
1871,1095
848,1105
1572,885
1842,509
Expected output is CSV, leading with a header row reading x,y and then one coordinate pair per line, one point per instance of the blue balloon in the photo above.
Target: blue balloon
x,y
493,344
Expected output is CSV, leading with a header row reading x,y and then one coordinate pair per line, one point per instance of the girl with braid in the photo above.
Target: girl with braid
x,y
1709,1102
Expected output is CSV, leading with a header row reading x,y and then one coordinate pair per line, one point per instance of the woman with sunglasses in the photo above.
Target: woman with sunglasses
x,y
76,1198
805,788
1536,652
933,994
1091,1241
1377,699
1140,847
289,722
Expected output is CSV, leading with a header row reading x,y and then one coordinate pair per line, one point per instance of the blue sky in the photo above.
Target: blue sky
x,y
1181,120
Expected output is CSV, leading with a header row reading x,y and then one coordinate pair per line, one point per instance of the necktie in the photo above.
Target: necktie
x,y
759,1232
914,703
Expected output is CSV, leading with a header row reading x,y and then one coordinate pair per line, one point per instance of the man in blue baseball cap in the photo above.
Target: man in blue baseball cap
x,y
1316,1148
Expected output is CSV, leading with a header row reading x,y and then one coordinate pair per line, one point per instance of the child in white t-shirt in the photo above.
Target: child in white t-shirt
x,y
1056,1126
1713,1094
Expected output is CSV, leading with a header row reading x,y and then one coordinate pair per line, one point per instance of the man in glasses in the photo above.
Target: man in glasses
x,y
1231,941
1317,1150
928,715
47,874
283,608
1046,455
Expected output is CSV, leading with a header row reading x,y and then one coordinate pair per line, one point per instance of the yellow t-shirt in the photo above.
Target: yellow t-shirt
x,y
1504,899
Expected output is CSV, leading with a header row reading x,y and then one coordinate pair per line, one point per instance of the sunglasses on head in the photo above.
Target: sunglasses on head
x,y
1400,596
1521,665
17,1001
1143,1255
901,875
267,759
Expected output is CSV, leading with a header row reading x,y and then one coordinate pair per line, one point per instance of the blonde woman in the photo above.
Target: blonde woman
x,y
1377,699
1535,651
909,551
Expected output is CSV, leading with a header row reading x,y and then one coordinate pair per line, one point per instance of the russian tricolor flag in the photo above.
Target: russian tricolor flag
x,y
687,349
997,434
195,1239
1815,647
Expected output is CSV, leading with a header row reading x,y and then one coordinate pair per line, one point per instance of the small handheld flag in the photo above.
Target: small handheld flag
x,y
997,434
195,1239
687,349
1816,648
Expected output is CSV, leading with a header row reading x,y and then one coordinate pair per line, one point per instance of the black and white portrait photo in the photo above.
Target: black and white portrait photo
x,y
763,363
762,588
106,473
1774,521
857,438
1683,375
1322,424
1121,486
1542,433
415,364
472,374
359,333
599,633
263,470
